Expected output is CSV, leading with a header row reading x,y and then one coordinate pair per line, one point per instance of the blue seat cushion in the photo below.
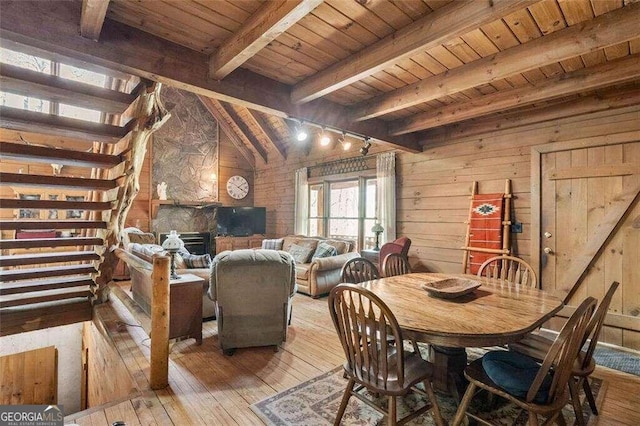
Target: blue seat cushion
x,y
514,372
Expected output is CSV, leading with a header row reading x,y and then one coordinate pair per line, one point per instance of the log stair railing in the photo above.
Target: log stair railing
x,y
56,276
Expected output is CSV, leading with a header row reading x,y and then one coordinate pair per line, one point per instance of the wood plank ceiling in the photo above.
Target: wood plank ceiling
x,y
396,71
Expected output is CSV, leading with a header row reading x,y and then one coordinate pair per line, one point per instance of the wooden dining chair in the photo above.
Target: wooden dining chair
x,y
395,264
360,318
539,388
358,270
536,345
509,268
398,264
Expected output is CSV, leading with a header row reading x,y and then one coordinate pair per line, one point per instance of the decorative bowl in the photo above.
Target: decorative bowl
x,y
451,287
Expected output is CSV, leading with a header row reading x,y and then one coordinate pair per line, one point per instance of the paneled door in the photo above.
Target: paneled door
x,y
587,198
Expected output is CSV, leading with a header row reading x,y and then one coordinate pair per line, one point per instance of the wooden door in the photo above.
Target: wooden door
x,y
589,228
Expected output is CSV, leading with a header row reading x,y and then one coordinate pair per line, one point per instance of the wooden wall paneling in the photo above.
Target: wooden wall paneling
x,y
30,377
107,377
594,283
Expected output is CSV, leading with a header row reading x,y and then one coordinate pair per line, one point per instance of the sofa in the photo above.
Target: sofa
x,y
315,276
142,245
252,291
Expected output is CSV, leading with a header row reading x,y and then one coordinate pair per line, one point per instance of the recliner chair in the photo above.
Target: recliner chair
x,y
400,245
252,292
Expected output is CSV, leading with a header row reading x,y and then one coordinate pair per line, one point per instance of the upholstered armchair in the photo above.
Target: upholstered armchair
x,y
400,245
252,292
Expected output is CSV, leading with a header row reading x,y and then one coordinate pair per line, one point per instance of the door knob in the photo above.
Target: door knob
x,y
548,250
547,234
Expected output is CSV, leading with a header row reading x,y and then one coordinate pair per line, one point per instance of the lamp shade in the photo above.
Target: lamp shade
x,y
377,228
173,242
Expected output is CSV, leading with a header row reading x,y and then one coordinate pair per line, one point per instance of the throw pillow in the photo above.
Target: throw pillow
x,y
194,260
141,238
324,250
275,244
300,254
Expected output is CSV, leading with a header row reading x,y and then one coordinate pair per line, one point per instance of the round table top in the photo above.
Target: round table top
x,y
496,313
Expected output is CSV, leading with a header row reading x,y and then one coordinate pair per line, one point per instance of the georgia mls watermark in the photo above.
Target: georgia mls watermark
x,y
31,415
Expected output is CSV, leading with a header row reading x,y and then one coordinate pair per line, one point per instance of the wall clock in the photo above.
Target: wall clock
x,y
237,187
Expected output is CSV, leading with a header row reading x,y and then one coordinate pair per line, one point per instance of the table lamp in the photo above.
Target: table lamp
x,y
173,244
377,229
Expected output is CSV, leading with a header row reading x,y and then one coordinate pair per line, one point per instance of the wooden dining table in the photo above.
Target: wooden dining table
x,y
496,313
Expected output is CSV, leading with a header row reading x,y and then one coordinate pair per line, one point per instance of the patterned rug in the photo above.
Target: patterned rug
x,y
315,402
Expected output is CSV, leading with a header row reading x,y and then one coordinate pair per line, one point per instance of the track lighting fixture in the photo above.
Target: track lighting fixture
x,y
301,133
346,145
365,148
325,139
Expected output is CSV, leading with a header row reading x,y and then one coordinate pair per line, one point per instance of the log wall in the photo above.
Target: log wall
x,y
433,186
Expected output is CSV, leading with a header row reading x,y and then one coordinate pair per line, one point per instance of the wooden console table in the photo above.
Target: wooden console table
x,y
185,304
237,243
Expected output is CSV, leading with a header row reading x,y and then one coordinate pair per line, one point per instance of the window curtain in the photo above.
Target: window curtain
x,y
386,201
301,206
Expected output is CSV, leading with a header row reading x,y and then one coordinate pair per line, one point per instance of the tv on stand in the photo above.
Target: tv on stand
x,y
241,221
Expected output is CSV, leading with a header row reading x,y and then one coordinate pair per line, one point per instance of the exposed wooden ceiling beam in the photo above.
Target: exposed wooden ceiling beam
x,y
224,120
55,125
92,18
606,30
50,26
244,131
617,98
53,88
264,127
453,20
607,74
264,26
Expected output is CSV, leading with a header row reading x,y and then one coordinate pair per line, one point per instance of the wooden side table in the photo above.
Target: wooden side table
x,y
185,307
372,255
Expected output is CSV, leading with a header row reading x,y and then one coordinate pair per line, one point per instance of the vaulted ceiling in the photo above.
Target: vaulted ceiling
x,y
390,70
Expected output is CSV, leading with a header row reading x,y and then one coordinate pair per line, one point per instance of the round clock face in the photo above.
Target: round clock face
x,y
237,187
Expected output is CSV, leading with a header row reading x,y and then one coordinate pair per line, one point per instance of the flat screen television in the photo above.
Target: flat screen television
x,y
241,221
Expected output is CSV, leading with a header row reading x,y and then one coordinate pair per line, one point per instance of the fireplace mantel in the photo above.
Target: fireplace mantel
x,y
155,205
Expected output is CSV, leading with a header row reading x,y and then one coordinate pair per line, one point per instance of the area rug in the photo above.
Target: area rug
x,y
626,362
315,402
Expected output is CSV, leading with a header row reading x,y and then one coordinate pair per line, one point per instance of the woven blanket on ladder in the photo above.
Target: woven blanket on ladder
x,y
485,229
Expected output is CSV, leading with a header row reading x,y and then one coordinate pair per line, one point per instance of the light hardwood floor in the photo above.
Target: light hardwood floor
x,y
206,387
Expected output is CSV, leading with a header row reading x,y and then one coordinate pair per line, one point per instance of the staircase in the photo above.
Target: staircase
x,y
52,270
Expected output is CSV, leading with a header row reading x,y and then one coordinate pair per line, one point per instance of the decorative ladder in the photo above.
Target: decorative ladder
x,y
55,279
488,214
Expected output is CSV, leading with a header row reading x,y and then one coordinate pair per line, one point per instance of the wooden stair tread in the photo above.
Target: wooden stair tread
x,y
52,257
45,272
57,89
14,203
52,224
67,157
54,125
50,242
45,284
11,300
56,181
20,319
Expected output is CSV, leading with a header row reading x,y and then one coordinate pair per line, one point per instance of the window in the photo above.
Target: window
x,y
46,66
343,209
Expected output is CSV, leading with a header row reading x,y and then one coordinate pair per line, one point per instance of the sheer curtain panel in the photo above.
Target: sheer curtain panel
x,y
386,205
301,224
